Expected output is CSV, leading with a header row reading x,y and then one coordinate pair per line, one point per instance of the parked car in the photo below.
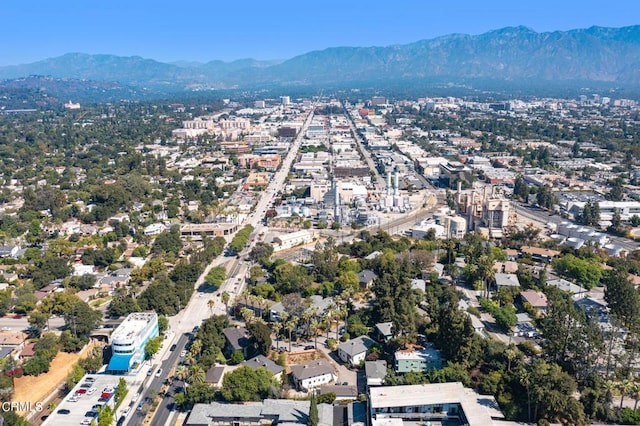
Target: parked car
x,y
81,391
309,347
159,372
64,411
135,397
183,353
91,391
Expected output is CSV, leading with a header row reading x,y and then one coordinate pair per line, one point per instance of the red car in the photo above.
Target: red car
x,y
81,391
17,316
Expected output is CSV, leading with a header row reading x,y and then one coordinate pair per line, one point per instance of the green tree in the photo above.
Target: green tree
x,y
248,384
313,411
261,336
216,276
153,346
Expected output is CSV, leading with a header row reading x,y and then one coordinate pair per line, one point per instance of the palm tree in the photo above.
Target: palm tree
x,y
196,347
326,322
609,387
190,358
511,354
277,326
247,314
211,304
197,375
225,299
306,319
260,303
314,326
290,326
635,394
182,372
485,267
624,387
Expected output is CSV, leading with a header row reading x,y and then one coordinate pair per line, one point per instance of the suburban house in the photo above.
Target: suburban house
x,y
355,350
384,330
575,290
261,361
419,359
9,251
214,375
539,254
375,371
313,374
537,299
342,392
366,278
506,280
237,339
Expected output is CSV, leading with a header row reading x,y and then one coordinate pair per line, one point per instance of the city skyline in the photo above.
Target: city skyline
x,y
203,31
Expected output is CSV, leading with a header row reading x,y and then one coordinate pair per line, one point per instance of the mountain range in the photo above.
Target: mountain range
x,y
514,55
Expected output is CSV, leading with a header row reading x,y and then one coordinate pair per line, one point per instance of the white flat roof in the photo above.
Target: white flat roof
x,y
478,409
132,325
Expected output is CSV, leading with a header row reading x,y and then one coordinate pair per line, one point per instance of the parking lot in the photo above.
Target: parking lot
x,y
82,400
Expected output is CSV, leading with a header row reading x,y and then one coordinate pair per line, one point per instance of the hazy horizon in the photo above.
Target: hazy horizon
x,y
201,31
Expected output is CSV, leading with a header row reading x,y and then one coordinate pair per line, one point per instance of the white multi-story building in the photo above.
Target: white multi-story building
x,y
128,341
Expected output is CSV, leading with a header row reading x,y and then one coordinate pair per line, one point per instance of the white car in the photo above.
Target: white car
x,y
126,411
183,353
73,399
91,391
135,397
86,421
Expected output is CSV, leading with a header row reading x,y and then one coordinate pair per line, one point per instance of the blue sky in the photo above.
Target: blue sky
x,y
203,30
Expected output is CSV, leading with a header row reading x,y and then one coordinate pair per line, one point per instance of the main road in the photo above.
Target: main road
x,y
199,307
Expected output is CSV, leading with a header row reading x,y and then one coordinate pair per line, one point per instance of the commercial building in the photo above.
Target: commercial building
x,y
286,241
129,339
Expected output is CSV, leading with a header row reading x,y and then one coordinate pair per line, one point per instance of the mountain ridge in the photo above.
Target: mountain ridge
x,y
515,54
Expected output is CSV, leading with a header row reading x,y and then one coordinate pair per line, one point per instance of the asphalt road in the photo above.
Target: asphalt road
x,y
198,308
19,324
381,184
153,384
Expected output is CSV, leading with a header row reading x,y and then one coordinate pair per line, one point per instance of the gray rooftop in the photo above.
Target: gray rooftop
x,y
356,346
366,275
280,411
507,280
264,362
375,369
385,328
238,337
314,368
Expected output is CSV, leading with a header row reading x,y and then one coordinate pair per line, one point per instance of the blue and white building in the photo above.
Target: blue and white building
x,y
129,339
